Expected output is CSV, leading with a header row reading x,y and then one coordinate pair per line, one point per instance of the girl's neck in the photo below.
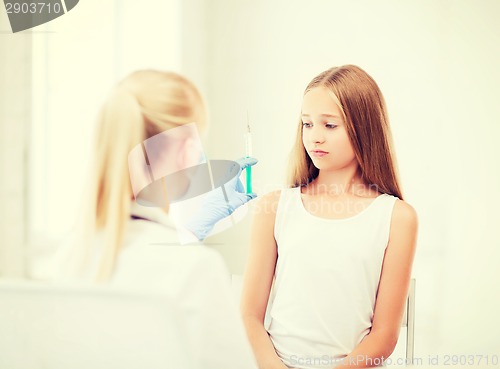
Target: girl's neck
x,y
339,182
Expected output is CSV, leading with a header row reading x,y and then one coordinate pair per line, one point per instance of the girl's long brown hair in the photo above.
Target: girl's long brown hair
x,y
363,108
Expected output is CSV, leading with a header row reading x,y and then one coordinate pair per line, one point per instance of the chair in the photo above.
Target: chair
x,y
82,327
409,322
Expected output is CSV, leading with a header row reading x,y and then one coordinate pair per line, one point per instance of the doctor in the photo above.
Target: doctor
x,y
120,242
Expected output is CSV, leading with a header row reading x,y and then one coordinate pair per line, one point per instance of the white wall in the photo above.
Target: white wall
x,y
15,85
437,65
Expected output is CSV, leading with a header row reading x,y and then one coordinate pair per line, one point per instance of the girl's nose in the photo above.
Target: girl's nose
x,y
317,136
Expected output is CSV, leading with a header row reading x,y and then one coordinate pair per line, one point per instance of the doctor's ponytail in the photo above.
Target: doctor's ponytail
x,y
145,103
106,206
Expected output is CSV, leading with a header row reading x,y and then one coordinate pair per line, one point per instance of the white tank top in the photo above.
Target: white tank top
x,y
327,275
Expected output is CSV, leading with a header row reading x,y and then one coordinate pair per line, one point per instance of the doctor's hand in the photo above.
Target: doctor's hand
x,y
221,202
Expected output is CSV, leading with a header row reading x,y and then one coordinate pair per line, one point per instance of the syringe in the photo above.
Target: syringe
x,y
248,153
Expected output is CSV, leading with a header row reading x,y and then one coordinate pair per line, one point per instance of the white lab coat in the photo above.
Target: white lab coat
x,y
193,275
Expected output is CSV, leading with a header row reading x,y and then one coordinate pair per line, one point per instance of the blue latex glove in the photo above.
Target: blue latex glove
x,y
221,202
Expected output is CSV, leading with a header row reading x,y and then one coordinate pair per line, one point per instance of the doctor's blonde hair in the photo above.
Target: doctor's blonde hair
x,y
145,103
364,111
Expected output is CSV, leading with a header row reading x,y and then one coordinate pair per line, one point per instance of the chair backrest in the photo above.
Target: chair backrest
x,y
81,327
409,322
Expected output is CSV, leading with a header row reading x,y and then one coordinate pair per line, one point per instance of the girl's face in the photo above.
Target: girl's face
x,y
324,133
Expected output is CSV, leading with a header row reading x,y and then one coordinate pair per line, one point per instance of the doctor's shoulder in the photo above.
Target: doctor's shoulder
x,y
171,265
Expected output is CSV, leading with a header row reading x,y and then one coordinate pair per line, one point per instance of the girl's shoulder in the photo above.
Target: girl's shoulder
x,y
404,213
402,235
268,206
273,198
268,203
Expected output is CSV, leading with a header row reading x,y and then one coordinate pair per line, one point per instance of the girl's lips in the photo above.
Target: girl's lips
x,y
318,153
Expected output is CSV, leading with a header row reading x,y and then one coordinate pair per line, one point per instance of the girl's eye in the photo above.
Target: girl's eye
x,y
330,125
306,125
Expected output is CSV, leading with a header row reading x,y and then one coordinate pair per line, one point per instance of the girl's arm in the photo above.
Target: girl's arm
x,y
392,291
258,280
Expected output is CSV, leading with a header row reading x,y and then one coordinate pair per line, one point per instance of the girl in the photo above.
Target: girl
x,y
339,242
128,245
